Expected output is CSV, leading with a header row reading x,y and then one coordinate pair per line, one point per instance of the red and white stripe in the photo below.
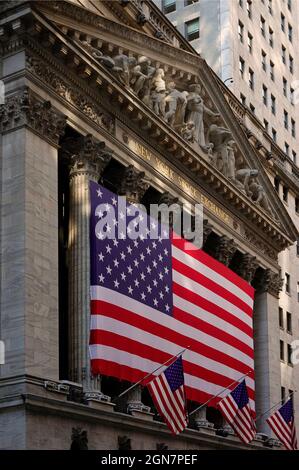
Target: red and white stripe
x,y
285,432
212,314
170,405
240,419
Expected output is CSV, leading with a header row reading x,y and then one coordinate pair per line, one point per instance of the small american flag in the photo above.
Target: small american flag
x,y
283,425
236,410
152,297
167,391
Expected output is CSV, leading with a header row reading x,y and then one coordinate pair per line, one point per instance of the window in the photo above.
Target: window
x,y
283,54
287,283
294,157
168,6
265,95
252,108
289,355
281,350
273,104
192,29
272,71
270,7
283,394
271,37
291,64
297,210
241,66
276,182
264,60
282,22
289,322
262,24
285,86
241,31
286,119
249,42
251,79
293,128
274,135
290,33
287,149
190,2
297,283
285,195
266,125
249,8
292,95
280,316
243,98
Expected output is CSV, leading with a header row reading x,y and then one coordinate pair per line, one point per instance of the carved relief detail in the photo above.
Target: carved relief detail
x,y
70,93
247,267
26,109
225,250
133,184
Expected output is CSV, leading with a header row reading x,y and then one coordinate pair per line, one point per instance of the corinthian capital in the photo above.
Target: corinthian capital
x,y
133,184
269,281
86,156
247,267
26,109
225,250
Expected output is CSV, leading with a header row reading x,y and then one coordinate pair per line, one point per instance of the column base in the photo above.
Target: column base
x,y
139,410
99,401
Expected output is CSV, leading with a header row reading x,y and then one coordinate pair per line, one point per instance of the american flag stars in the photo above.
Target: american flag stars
x,y
137,267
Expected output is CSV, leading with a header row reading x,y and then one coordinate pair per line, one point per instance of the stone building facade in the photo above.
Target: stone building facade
x,y
110,92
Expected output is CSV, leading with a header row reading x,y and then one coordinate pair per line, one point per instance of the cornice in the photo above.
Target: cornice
x,y
118,30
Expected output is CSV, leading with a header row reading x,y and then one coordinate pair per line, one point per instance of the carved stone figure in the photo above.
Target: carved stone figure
x,y
141,75
176,102
231,160
123,66
243,176
155,99
98,55
187,131
195,112
259,196
220,136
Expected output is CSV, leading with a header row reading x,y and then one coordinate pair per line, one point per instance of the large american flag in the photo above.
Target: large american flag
x,y
236,410
167,391
150,298
282,424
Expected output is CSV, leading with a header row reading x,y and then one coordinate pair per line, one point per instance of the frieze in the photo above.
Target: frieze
x,y
263,247
147,155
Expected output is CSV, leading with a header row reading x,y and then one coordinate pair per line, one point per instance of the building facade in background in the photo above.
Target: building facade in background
x,y
251,46
98,90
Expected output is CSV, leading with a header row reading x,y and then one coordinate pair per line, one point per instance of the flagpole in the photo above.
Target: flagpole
x,y
215,396
274,406
150,373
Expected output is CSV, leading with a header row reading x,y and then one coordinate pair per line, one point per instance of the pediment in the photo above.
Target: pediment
x,y
183,113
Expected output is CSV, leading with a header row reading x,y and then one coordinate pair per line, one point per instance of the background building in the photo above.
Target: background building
x,y
251,46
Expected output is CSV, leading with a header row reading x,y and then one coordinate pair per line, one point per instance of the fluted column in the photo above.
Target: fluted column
x,y
266,345
87,161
